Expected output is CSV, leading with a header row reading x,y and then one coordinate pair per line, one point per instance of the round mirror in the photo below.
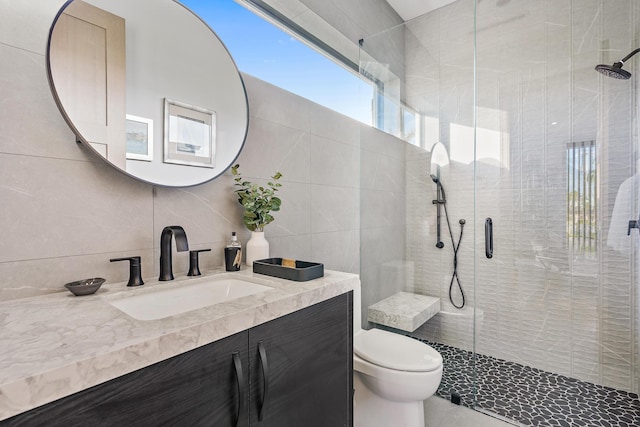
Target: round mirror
x,y
148,86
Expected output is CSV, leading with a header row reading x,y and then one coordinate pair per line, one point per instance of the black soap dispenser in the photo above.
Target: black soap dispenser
x,y
233,254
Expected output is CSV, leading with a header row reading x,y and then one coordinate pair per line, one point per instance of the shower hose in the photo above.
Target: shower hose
x,y
454,276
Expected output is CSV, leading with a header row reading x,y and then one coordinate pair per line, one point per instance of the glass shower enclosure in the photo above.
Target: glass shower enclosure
x,y
542,159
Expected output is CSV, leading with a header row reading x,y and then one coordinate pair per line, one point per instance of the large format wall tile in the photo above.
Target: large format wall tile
x,y
292,110
338,250
334,208
328,124
31,123
271,148
206,211
294,216
334,163
61,208
21,279
294,247
25,24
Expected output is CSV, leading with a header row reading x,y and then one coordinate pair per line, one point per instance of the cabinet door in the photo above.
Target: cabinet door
x,y
197,388
309,360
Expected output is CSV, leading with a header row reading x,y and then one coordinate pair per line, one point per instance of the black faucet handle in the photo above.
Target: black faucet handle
x,y
135,269
194,267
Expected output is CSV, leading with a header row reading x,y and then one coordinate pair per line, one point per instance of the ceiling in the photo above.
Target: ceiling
x,y
409,9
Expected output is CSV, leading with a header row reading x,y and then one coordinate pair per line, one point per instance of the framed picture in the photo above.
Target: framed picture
x,y
189,135
139,138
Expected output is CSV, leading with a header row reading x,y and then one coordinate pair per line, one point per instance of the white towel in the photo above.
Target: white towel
x,y
626,208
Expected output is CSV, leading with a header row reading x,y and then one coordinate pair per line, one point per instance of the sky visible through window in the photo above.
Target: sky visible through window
x,y
262,50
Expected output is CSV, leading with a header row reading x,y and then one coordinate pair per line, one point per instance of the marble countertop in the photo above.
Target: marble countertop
x,y
56,345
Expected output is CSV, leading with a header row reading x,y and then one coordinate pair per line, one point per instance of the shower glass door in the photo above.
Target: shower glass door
x,y
556,171
546,148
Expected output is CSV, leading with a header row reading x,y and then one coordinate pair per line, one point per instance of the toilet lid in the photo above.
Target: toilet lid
x,y
395,351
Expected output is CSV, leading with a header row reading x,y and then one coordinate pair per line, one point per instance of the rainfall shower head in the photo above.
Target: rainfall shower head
x,y
616,70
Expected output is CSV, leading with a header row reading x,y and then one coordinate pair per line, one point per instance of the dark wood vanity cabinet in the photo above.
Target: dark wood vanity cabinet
x,y
197,388
293,371
309,362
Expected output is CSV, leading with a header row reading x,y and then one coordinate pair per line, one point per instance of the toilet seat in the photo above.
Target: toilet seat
x,y
394,351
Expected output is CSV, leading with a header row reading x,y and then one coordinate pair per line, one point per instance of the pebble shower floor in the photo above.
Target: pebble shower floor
x,y
533,397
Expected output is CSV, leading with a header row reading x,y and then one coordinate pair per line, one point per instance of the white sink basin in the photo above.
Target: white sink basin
x,y
185,296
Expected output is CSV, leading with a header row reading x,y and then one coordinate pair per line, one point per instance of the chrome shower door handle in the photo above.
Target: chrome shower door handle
x,y
488,237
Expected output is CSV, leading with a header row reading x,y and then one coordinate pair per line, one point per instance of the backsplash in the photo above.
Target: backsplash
x,y
67,212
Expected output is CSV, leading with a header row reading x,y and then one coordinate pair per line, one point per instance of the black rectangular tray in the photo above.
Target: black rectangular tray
x,y
304,270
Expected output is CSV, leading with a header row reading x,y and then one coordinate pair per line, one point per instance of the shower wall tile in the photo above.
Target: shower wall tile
x,y
384,245
382,172
381,208
618,26
386,218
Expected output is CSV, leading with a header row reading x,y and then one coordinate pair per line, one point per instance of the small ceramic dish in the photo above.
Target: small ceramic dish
x,y
85,287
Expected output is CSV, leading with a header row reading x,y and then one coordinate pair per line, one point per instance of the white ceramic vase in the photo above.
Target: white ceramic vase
x,y
257,247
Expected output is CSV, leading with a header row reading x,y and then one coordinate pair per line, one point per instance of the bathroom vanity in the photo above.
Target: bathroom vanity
x,y
282,357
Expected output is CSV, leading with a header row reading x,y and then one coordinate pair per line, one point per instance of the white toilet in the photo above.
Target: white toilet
x,y
392,376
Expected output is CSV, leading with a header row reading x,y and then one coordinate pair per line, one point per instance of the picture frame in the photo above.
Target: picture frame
x,y
139,138
189,134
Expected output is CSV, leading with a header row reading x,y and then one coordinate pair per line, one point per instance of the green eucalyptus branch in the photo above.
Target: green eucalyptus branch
x,y
258,201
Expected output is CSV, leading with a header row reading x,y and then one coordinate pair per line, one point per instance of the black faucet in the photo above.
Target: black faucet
x,y
166,270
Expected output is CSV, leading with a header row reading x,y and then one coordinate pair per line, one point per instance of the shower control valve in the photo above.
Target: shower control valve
x,y
633,224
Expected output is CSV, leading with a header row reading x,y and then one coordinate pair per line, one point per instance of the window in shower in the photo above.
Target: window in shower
x,y
409,128
582,213
396,118
271,47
